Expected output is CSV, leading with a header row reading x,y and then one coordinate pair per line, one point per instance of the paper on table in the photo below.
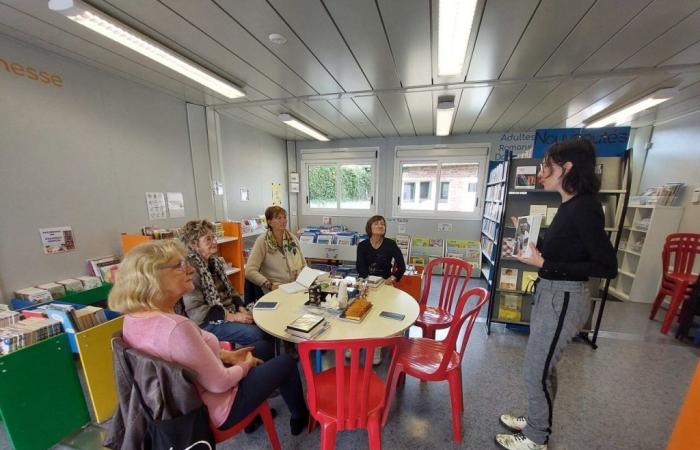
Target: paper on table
x,y
303,281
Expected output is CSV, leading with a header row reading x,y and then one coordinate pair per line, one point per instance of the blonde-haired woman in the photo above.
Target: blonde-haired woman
x,y
276,256
152,279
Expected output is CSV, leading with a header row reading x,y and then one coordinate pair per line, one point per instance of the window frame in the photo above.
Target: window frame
x,y
465,153
343,159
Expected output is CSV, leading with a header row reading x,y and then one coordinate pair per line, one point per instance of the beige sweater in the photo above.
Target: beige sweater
x,y
263,266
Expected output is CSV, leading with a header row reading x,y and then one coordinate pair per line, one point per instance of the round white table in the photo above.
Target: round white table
x,y
383,298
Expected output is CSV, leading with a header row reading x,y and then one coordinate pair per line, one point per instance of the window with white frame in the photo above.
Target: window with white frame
x,y
440,183
339,182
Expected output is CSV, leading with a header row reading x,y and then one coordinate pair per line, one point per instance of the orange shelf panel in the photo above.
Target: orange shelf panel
x,y
130,241
232,252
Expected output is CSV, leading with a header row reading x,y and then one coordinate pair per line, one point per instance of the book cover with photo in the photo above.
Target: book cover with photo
x,y
528,227
510,307
508,279
525,177
527,284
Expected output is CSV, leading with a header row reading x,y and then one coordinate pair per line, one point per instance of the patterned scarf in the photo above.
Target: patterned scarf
x,y
291,250
211,294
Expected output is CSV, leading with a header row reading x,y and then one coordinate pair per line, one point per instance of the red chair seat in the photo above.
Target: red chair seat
x,y
687,278
424,356
435,316
326,389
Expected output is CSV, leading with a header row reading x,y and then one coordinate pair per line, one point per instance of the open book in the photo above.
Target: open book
x,y
303,282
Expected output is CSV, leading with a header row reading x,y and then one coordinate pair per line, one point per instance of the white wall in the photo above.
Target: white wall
x,y
675,157
82,155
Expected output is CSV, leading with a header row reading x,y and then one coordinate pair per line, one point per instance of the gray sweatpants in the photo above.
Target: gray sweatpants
x,y
560,308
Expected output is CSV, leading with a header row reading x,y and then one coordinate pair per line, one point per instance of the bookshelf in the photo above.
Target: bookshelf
x,y
511,295
642,239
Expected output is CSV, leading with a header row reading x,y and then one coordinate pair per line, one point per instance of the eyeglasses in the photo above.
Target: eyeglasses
x,y
180,265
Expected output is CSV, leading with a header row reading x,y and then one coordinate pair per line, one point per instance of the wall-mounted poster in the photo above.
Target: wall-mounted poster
x,y
245,195
276,194
155,203
176,204
57,240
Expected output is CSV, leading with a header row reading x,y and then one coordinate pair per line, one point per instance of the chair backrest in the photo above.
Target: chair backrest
x,y
461,327
353,376
455,275
679,252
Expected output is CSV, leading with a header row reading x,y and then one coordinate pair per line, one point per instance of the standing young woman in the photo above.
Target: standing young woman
x,y
574,248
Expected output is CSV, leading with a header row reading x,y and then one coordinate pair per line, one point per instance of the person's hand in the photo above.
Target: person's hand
x,y
244,310
514,219
239,317
390,281
233,357
535,258
274,286
251,360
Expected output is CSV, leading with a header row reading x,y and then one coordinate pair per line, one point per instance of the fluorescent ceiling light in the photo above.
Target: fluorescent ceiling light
x,y
301,126
101,23
443,117
626,113
454,26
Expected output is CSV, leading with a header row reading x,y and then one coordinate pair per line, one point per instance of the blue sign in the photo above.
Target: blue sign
x,y
608,141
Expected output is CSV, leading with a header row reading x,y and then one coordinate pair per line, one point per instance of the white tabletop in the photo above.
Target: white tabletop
x,y
383,298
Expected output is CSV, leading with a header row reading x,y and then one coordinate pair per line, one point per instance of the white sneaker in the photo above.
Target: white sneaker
x,y
518,441
513,423
377,357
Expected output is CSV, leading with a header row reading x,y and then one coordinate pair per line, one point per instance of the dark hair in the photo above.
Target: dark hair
x,y
272,211
581,179
377,218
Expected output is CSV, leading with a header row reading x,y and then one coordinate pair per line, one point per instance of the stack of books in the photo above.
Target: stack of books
x,y
8,318
27,332
34,295
374,281
72,319
307,326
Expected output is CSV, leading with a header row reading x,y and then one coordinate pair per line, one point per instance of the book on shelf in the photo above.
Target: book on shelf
x,y
510,307
525,177
8,318
102,267
34,295
538,210
325,239
527,283
551,212
71,284
303,282
306,326
508,279
56,290
308,238
90,282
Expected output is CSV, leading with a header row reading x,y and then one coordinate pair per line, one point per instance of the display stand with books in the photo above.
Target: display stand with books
x,y
524,199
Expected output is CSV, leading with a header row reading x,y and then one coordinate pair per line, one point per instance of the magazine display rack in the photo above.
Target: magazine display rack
x,y
510,281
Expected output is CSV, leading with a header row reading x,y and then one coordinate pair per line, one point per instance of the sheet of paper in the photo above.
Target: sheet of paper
x,y
292,288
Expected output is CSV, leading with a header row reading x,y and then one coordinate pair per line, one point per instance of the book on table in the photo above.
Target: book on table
x,y
303,282
307,326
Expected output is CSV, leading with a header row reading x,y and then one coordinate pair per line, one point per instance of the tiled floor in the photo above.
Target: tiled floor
x,y
624,395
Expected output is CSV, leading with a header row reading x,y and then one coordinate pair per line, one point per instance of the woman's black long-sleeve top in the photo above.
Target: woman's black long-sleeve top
x,y
378,262
575,246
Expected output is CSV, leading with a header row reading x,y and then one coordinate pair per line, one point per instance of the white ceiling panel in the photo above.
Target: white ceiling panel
x,y
690,105
407,24
313,25
674,41
470,105
601,22
361,27
328,111
420,104
348,108
549,103
261,20
651,23
220,27
500,99
241,115
502,25
397,108
553,20
527,100
374,110
690,55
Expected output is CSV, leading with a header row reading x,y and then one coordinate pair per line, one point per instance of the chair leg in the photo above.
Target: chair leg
x,y
402,378
269,423
455,400
374,433
657,303
392,392
328,431
461,390
676,301
429,333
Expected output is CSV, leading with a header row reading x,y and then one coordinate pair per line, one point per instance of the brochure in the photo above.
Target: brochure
x,y
306,277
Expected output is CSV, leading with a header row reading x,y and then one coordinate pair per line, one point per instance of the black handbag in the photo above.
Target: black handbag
x,y
186,432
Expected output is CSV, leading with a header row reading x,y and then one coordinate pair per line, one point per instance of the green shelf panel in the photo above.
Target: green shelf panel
x,y
88,297
41,400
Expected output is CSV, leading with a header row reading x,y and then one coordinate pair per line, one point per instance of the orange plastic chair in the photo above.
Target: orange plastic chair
x,y
263,410
431,360
677,257
350,395
456,274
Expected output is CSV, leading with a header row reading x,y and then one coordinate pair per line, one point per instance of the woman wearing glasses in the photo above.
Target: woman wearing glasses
x,y
214,304
152,279
574,248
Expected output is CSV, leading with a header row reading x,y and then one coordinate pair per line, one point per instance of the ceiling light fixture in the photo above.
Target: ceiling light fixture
x,y
105,25
277,38
626,113
301,126
443,117
454,27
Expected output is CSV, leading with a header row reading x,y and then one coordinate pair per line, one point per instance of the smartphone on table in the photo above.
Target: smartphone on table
x,y
392,315
265,305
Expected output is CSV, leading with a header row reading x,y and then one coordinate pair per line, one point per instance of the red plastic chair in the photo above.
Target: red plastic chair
x,y
677,257
350,395
456,274
263,410
431,360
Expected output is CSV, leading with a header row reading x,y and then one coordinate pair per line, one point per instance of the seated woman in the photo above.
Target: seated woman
x,y
276,256
214,304
379,255
152,279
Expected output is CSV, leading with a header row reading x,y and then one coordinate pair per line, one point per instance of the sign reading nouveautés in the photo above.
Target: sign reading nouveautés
x,y
608,141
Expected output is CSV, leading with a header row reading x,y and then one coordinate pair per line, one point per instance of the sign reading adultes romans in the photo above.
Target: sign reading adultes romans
x,y
57,240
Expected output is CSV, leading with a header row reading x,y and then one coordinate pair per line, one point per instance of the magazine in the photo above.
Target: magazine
x,y
525,177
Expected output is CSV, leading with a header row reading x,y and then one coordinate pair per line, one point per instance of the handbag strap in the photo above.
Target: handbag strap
x,y
130,377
